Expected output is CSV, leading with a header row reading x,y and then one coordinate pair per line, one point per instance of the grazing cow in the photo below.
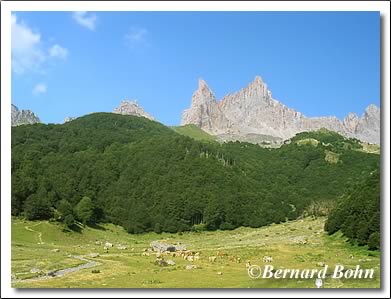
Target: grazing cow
x,y
212,259
238,260
220,253
107,244
190,258
231,258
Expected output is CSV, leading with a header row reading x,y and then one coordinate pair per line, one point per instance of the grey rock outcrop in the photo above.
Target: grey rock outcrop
x,y
162,247
22,117
131,108
253,112
69,118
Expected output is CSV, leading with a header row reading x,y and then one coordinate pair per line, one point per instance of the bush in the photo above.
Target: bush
x,y
84,210
37,208
69,220
226,226
374,241
199,227
158,228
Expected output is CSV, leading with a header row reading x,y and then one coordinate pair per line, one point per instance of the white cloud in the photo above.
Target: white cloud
x,y
58,51
136,37
27,51
39,89
25,47
85,19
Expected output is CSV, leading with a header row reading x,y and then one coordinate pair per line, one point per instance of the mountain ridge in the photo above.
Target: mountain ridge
x,y
253,110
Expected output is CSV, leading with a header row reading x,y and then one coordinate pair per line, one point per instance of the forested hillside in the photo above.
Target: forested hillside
x,y
358,213
146,177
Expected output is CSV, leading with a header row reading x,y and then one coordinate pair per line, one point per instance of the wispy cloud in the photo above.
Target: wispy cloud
x,y
39,89
58,51
85,19
25,47
27,51
136,36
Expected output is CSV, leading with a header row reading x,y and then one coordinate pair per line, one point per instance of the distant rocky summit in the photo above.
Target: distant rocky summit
x,y
253,115
131,108
69,118
22,117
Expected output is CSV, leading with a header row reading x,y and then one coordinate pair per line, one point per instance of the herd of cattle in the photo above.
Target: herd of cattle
x,y
163,250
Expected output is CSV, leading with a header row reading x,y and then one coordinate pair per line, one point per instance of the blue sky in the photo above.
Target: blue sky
x,y
70,64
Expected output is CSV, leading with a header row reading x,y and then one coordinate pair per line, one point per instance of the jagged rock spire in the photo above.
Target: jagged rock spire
x,y
203,94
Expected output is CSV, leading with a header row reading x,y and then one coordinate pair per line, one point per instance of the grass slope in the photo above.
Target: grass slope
x,y
299,244
194,132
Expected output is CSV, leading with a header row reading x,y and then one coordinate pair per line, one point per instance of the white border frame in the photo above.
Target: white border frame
x,y
9,6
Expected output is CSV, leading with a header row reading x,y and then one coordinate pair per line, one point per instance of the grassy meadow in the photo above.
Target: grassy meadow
x,y
194,132
301,244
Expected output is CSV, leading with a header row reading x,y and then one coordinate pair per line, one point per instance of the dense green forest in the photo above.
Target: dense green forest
x,y
358,213
146,177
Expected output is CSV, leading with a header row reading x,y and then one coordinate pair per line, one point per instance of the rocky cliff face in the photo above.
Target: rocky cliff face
x,y
22,117
253,111
131,108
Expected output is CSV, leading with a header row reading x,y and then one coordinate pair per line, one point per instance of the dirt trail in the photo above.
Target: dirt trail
x,y
34,231
62,272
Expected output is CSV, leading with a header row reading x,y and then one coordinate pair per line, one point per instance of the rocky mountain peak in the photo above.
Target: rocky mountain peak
x,y
253,111
257,83
372,110
131,107
202,84
351,121
22,117
203,94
